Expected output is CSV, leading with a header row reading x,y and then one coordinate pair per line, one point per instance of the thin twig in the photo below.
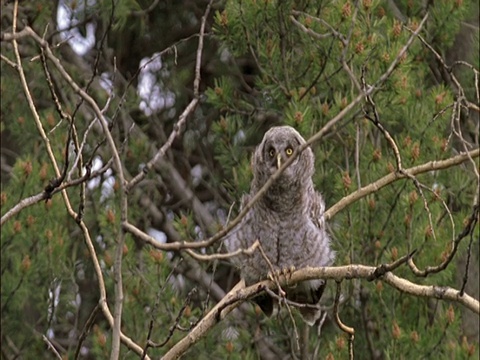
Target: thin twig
x,y
86,330
344,202
467,230
350,331
309,31
467,262
287,303
176,323
384,268
51,347
394,176
223,256
376,121
186,112
272,273
27,31
47,193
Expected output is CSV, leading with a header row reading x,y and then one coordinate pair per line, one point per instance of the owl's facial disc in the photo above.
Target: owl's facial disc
x,y
277,158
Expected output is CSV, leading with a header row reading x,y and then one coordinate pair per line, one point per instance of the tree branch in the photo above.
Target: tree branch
x,y
344,202
392,177
240,293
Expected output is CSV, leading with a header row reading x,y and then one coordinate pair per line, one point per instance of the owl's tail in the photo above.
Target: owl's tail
x,y
311,296
307,292
310,315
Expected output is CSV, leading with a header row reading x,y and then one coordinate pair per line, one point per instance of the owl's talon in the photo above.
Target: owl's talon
x,y
288,270
274,275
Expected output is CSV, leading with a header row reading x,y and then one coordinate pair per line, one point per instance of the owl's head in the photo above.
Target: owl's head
x,y
278,144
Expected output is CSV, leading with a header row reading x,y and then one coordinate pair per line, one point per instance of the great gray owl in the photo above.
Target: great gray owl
x,y
288,221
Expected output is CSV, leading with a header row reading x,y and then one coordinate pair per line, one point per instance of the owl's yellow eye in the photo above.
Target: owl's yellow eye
x,y
289,151
271,152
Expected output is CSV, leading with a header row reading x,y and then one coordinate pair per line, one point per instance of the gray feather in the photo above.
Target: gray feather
x,y
288,221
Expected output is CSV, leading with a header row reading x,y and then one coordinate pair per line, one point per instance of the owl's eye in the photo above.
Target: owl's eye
x,y
271,152
289,151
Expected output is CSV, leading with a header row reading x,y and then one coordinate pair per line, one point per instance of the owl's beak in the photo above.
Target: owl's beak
x,y
279,161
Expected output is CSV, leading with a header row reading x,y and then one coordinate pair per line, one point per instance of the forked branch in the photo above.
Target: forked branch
x,y
240,293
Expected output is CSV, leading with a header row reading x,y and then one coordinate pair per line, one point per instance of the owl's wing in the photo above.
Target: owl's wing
x,y
244,201
317,210
232,241
310,292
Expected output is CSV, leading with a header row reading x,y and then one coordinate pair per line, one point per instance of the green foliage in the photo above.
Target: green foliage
x,y
265,63
301,77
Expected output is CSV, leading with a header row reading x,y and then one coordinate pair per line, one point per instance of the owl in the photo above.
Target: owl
x,y
288,221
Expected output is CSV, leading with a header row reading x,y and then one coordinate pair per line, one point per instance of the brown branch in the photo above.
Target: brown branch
x,y
174,326
240,293
186,112
177,128
27,31
344,202
384,268
392,177
376,121
346,329
8,61
24,203
86,330
467,230
210,257
47,193
337,34
309,31
52,347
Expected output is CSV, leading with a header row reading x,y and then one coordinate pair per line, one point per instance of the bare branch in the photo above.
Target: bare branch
x,y
51,347
350,331
186,112
50,191
468,230
309,31
338,35
344,202
24,203
392,177
27,31
165,147
211,257
240,293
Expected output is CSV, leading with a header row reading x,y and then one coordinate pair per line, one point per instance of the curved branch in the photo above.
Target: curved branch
x,y
45,195
240,293
347,200
467,230
392,177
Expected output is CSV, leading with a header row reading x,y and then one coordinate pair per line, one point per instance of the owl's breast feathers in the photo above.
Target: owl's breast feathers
x,y
291,234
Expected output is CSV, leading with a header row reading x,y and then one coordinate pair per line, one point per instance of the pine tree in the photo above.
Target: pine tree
x,y
388,93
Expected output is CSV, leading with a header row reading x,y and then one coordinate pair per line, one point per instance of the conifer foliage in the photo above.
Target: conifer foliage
x,y
127,130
